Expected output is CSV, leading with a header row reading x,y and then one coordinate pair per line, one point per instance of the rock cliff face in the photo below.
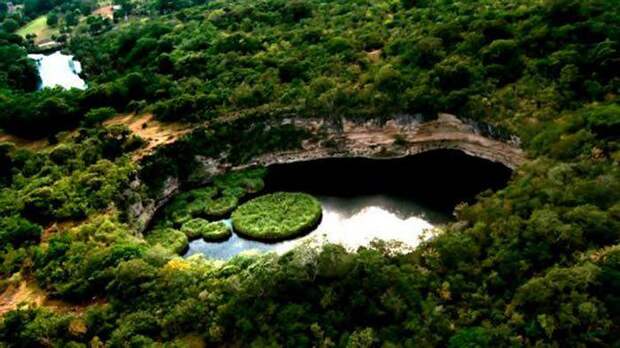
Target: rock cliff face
x,y
402,136
141,211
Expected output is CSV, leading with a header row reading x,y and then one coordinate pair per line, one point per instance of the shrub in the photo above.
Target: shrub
x,y
98,115
52,19
277,216
62,153
16,230
604,120
10,25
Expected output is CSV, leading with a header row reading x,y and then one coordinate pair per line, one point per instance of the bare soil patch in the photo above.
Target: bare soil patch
x,y
105,12
28,292
154,132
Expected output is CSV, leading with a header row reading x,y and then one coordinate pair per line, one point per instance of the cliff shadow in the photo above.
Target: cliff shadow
x,y
439,179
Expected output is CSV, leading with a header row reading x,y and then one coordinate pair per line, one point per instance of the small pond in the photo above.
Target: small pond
x,y
58,69
349,221
365,200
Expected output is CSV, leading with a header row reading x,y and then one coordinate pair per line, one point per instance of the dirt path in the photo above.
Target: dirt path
x,y
154,132
28,292
22,293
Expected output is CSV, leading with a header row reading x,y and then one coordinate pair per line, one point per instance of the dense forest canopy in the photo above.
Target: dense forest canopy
x,y
534,264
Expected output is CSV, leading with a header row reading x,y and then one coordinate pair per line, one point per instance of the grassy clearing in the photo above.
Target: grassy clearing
x,y
39,27
36,144
277,216
22,291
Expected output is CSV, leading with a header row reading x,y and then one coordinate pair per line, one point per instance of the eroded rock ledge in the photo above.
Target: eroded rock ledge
x,y
397,138
402,136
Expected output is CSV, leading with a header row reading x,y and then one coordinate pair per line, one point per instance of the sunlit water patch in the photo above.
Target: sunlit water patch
x,y
58,69
352,222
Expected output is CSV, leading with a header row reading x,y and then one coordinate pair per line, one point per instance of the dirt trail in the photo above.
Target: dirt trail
x,y
154,132
22,293
28,292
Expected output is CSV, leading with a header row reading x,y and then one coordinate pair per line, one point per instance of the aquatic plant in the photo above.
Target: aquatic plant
x,y
221,207
215,201
210,231
216,231
277,216
169,238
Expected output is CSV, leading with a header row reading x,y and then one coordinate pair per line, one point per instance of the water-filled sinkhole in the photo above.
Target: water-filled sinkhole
x,y
367,199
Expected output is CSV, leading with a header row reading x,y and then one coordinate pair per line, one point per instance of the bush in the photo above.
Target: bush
x,y
604,120
52,19
16,230
10,25
98,115
277,216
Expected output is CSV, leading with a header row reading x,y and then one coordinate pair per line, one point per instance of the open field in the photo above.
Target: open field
x,y
40,28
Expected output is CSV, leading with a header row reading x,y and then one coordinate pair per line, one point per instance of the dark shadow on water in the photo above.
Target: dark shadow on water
x,y
437,179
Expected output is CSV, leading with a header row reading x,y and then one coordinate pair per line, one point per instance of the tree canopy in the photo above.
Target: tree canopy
x,y
536,263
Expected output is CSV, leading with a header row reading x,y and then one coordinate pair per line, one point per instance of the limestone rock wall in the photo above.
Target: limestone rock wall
x,y
401,136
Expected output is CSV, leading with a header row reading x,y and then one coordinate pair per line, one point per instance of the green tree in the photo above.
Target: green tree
x,y
98,115
10,25
72,18
52,19
16,230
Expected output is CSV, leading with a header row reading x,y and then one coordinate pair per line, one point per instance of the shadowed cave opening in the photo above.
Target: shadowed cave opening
x,y
439,179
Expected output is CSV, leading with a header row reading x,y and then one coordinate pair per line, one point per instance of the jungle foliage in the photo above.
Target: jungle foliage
x,y
534,264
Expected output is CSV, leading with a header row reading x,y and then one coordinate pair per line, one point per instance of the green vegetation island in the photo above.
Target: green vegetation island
x,y
277,216
189,107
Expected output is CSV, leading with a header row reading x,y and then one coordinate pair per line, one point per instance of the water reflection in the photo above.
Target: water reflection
x,y
58,69
349,221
